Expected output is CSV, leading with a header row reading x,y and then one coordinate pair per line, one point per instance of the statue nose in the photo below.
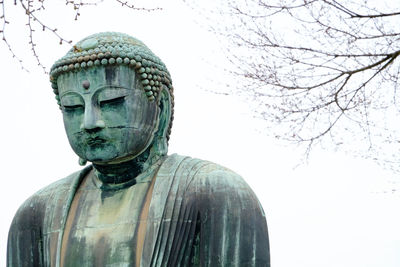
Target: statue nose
x,y
92,119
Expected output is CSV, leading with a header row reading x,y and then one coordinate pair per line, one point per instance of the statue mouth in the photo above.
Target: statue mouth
x,y
95,141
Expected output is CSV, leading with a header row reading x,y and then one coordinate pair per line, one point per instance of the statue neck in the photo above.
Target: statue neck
x,y
127,171
120,172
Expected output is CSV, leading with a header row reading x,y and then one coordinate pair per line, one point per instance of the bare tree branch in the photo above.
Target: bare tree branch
x,y
4,22
319,69
33,12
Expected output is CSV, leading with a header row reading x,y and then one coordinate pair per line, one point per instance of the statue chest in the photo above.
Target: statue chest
x,y
101,226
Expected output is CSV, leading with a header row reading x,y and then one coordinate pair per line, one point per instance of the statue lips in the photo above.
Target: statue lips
x,y
95,141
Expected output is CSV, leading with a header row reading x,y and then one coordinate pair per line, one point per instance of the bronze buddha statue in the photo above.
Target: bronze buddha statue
x,y
134,205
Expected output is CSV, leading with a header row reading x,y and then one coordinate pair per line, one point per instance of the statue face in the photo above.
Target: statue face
x,y
107,116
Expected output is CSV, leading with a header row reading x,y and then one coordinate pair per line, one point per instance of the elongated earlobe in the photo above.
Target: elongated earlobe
x,y
82,161
165,113
160,144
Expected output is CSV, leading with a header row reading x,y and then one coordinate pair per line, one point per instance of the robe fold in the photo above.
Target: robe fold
x,y
200,214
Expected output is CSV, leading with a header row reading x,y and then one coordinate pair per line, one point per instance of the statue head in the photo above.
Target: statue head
x,y
116,97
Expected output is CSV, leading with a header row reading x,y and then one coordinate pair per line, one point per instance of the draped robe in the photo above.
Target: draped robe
x,y
199,214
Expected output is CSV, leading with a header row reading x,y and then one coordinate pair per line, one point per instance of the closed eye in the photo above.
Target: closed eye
x,y
112,101
72,107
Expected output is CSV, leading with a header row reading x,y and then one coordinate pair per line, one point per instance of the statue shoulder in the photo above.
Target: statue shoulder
x,y
212,186
203,175
213,174
35,205
63,184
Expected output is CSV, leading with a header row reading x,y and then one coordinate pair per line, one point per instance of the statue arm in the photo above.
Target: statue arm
x,y
233,228
25,244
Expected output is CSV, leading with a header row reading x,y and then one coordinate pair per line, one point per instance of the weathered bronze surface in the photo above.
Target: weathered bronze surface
x,y
134,206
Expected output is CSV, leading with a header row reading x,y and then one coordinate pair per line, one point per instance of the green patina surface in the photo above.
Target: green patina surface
x,y
134,205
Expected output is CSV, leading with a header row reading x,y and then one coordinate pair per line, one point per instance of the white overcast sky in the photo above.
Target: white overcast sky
x,y
336,211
